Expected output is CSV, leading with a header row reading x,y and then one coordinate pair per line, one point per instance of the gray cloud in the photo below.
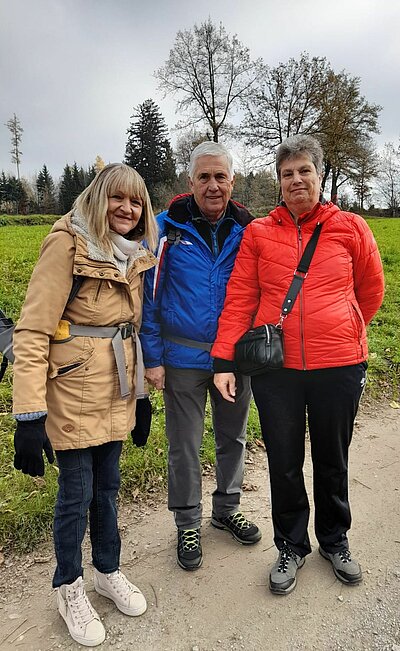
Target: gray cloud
x,y
72,70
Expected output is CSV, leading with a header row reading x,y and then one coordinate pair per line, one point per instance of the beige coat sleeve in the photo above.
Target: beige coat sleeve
x,y
45,300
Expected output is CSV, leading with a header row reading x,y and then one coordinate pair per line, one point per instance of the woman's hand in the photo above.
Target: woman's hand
x,y
226,385
156,377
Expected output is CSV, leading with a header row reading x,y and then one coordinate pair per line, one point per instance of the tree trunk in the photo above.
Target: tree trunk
x,y
334,186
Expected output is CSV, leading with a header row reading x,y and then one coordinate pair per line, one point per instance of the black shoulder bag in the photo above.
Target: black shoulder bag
x,y
261,349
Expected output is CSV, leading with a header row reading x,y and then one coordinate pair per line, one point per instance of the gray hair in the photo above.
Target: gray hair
x,y
299,145
210,148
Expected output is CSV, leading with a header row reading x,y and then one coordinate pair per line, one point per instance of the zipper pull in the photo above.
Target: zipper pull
x,y
299,232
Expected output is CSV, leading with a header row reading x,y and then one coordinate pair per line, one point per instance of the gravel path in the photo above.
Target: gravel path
x,y
226,604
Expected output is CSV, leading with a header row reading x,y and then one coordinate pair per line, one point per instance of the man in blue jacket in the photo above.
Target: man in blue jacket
x,y
200,235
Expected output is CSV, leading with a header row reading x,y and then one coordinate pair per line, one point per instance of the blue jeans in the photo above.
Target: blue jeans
x,y
89,480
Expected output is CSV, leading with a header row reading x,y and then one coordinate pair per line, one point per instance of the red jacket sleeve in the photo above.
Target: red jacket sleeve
x,y
368,272
241,301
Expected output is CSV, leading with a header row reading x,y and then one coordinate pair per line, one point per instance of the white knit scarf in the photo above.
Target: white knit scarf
x,y
125,252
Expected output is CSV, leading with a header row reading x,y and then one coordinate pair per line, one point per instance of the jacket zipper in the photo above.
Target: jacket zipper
x,y
303,354
214,240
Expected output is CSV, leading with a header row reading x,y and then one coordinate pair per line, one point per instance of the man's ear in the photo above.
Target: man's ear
x,y
190,184
233,181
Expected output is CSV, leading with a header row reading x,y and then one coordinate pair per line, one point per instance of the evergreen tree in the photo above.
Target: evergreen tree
x,y
74,179
14,197
46,198
66,195
148,149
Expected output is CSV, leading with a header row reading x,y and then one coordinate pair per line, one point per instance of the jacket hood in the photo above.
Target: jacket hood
x,y
183,208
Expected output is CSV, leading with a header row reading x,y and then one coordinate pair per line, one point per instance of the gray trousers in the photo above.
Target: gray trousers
x,y
185,397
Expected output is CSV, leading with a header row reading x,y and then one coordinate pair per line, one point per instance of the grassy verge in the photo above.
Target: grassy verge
x,y
26,504
384,330
27,220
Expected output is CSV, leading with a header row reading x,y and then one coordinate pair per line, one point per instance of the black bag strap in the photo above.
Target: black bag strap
x,y
300,273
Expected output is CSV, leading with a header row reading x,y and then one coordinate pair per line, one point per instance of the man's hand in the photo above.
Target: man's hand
x,y
156,376
226,385
30,441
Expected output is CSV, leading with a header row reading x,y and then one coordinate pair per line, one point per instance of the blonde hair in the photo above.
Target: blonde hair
x,y
92,204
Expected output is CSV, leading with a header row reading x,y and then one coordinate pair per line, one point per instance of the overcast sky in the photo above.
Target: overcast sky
x,y
73,70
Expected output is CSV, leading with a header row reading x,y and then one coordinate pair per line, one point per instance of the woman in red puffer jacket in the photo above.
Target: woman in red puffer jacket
x,y
325,354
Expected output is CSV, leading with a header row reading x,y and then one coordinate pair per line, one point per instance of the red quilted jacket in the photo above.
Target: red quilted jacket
x,y
342,292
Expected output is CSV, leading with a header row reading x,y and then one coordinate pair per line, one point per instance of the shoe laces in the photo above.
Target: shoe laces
x,y
189,539
239,521
80,606
345,555
286,554
120,584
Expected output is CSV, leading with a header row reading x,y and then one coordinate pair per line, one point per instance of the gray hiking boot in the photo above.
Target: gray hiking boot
x,y
282,579
346,569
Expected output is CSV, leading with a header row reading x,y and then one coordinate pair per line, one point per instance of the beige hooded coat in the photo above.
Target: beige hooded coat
x,y
76,381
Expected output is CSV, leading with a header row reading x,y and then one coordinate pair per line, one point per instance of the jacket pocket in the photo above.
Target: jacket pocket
x,y
358,319
359,325
70,366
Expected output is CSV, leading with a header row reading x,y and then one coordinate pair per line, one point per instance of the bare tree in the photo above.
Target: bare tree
x,y
14,126
211,72
346,122
365,172
185,144
284,103
307,96
389,178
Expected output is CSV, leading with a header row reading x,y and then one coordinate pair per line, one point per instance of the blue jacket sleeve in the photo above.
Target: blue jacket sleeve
x,y
150,331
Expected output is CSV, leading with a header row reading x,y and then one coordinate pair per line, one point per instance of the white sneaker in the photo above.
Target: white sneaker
x,y
126,596
82,620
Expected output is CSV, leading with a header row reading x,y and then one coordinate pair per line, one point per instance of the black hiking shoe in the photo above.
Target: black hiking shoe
x,y
241,529
345,568
189,554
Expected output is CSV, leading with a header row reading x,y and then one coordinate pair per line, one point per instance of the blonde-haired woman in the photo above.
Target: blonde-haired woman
x,y
77,377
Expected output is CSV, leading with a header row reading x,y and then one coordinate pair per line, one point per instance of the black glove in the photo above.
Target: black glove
x,y
141,431
30,439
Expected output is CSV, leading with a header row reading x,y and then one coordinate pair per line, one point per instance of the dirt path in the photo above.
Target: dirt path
x,y
226,605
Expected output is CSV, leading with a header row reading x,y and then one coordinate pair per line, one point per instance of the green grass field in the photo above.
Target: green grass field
x,y
26,504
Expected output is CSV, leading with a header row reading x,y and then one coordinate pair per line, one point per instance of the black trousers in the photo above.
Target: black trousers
x,y
329,399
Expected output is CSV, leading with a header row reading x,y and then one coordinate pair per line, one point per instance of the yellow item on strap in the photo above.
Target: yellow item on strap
x,y
62,333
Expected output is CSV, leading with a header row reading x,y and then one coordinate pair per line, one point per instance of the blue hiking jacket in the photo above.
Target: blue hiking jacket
x,y
184,294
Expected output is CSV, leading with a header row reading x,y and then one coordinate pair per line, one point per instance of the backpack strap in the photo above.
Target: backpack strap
x,y
76,285
174,235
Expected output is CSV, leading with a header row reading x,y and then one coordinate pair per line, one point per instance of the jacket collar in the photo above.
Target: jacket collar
x,y
322,210
184,208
